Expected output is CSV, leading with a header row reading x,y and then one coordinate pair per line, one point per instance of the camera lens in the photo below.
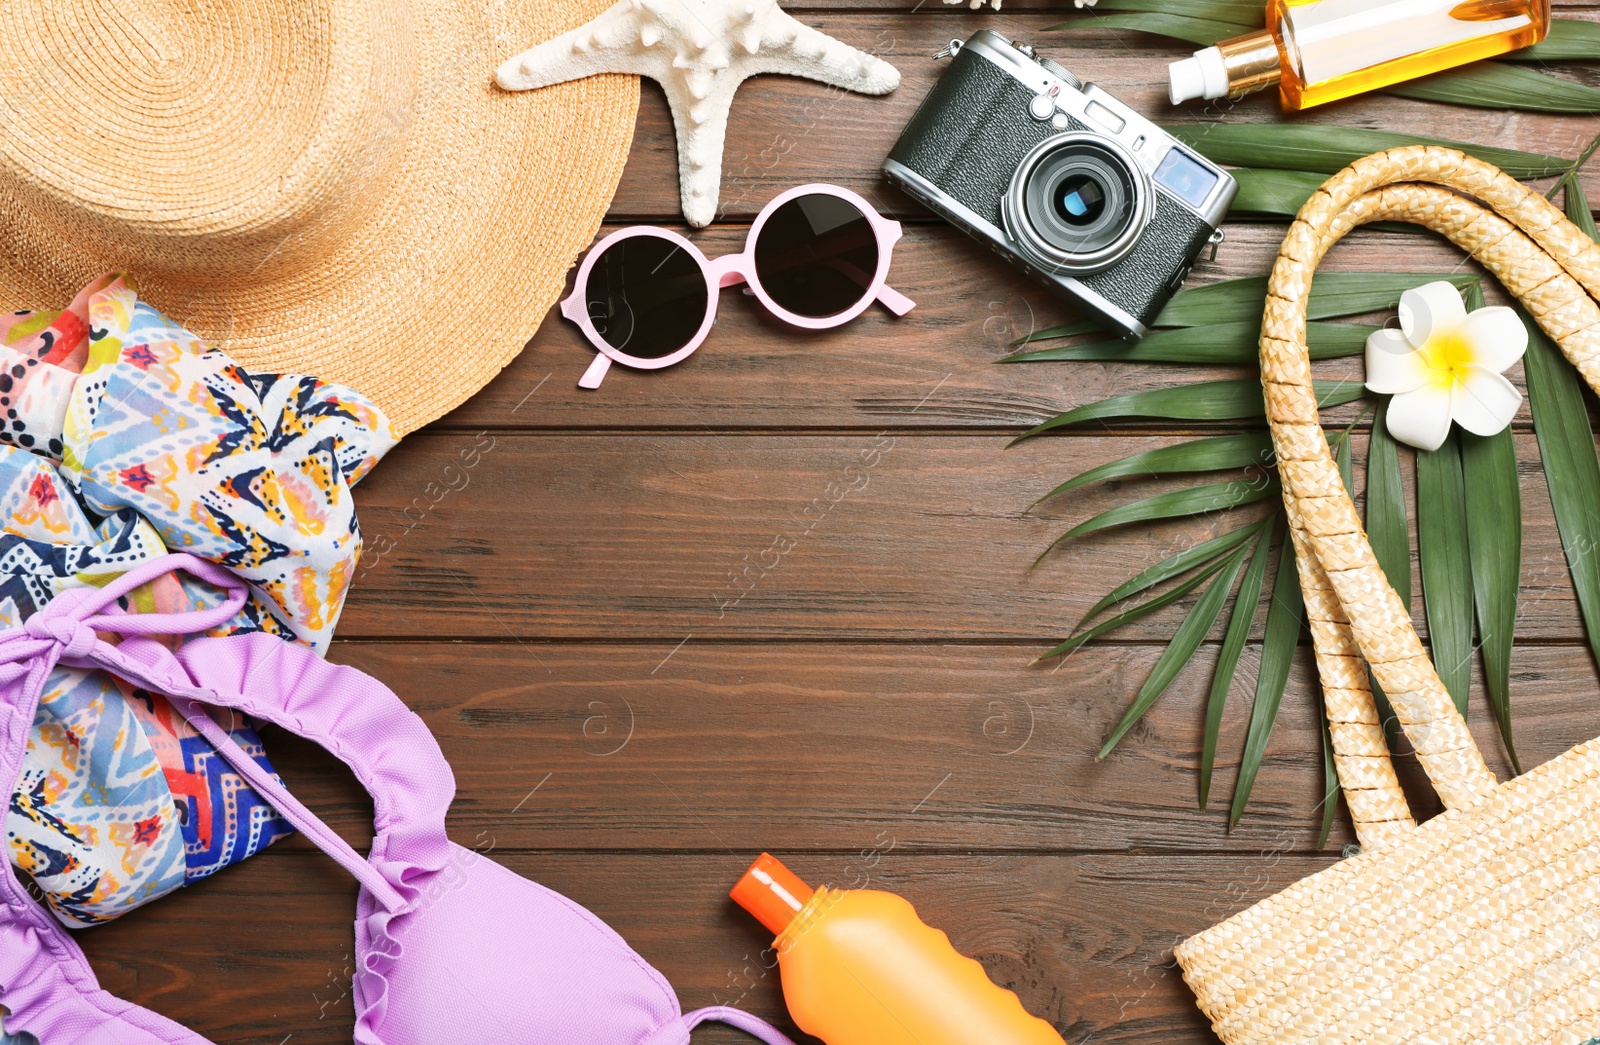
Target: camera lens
x,y
1080,200
1077,202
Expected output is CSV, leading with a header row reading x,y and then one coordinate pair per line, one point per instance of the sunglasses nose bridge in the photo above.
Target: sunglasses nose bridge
x,y
730,271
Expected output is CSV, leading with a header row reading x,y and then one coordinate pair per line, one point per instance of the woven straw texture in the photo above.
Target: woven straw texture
x,y
329,187
1483,924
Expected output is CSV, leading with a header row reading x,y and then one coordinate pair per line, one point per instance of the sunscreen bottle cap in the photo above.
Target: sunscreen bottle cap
x,y
771,892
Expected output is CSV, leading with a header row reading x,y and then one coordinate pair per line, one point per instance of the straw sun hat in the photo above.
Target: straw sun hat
x,y
329,187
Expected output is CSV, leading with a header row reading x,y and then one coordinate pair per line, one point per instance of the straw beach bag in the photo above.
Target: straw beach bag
x,y
1482,924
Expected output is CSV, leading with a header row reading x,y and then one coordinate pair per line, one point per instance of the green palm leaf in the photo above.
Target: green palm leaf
x,y
1569,40
1446,566
1219,344
1387,532
1242,14
1268,193
1172,566
1386,507
1144,609
1202,32
1284,617
1577,207
1212,454
1571,468
1190,500
1496,85
1272,192
1195,627
1244,614
1329,149
1330,777
1333,294
1494,540
1226,400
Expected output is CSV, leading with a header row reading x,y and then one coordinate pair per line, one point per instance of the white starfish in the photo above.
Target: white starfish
x,y
700,51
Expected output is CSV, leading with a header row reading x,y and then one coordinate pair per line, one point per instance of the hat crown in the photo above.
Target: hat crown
x,y
208,137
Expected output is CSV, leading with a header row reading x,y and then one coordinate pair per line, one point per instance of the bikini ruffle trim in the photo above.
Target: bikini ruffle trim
x,y
383,947
383,951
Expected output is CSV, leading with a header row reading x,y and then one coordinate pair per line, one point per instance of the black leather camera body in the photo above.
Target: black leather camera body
x,y
1062,180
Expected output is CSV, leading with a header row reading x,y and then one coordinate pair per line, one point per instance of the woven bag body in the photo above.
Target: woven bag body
x,y
1483,924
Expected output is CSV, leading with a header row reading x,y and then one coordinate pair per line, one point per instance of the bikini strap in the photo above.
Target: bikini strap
x,y
751,1025
354,716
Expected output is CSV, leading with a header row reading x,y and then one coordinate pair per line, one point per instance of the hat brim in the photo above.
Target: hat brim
x,y
445,278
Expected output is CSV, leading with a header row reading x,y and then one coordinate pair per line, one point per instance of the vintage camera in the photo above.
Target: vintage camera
x,y
1062,180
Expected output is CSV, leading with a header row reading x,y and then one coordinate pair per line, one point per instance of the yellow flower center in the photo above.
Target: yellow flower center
x,y
1448,356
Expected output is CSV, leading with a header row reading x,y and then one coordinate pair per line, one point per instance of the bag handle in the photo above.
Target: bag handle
x,y
1554,269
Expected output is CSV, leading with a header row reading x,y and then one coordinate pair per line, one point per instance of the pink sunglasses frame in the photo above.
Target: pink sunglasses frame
x,y
730,271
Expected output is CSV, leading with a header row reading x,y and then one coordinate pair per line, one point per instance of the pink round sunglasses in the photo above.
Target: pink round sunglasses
x,y
816,257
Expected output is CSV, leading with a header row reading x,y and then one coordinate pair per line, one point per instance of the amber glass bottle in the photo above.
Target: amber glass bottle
x,y
1322,50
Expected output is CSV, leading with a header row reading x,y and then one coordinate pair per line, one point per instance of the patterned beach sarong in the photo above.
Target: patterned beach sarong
x,y
163,445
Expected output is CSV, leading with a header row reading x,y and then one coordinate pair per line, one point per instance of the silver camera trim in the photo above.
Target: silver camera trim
x,y
1077,99
1014,208
964,218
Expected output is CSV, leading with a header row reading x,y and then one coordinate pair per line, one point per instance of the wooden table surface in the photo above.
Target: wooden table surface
x,y
780,597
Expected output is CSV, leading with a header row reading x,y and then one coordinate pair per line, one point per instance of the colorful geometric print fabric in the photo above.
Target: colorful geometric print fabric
x,y
170,446
252,471
41,355
119,799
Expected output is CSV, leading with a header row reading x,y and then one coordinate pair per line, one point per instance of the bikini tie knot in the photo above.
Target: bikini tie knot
x,y
58,625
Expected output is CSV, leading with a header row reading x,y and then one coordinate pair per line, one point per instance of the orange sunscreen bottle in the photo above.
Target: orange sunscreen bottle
x,y
860,968
1318,51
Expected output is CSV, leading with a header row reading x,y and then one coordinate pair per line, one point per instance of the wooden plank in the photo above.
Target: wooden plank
x,y
263,950
819,537
755,372
804,747
787,132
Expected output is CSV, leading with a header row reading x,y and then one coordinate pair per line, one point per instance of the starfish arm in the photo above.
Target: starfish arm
x,y
702,129
796,49
608,44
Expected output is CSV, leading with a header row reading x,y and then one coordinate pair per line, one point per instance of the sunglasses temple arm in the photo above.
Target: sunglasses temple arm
x,y
597,371
895,301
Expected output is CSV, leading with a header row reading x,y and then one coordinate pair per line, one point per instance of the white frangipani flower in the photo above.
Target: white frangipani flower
x,y
1444,365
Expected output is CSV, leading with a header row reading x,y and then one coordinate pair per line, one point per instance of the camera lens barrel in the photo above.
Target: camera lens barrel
x,y
1078,202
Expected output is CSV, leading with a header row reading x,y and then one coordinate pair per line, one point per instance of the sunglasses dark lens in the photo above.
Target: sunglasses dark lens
x,y
817,256
647,296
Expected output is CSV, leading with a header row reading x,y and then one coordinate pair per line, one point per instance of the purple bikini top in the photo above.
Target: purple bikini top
x,y
450,946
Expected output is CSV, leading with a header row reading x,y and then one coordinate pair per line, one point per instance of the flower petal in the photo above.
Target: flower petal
x,y
1484,402
1393,365
1497,337
1420,417
1430,310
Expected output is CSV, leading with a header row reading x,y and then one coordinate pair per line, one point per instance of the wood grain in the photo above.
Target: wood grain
x,y
1085,941
783,597
862,536
756,373
787,132
943,747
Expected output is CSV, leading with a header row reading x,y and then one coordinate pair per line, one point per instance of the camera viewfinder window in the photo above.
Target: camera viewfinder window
x,y
1184,177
